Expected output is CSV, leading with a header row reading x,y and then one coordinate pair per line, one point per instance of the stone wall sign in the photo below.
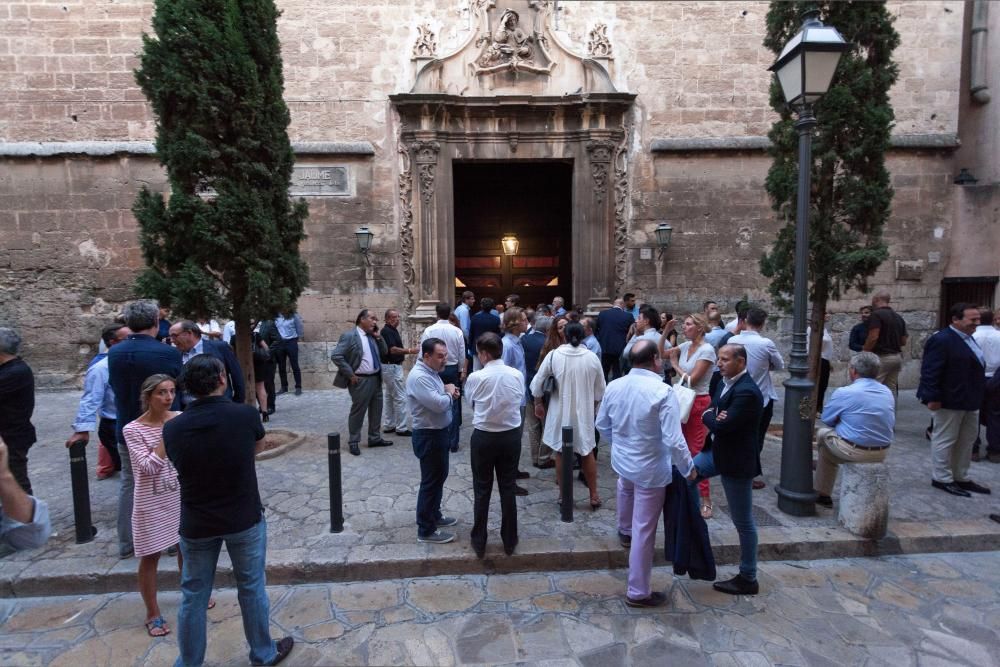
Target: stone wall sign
x,y
321,181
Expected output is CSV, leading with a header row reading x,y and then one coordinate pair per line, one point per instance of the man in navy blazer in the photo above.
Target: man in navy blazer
x,y
952,382
612,332
541,456
482,322
733,419
130,362
186,337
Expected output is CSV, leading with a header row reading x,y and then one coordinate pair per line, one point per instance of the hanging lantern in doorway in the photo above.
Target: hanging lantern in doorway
x,y
509,243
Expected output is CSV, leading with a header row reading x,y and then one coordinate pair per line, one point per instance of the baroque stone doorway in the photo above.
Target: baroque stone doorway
x,y
533,201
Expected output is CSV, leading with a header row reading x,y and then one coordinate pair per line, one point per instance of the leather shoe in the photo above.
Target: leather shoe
x,y
381,443
280,392
284,647
520,490
480,551
355,449
523,474
758,484
625,540
298,391
969,485
453,449
951,487
552,464
509,550
825,501
738,585
404,433
654,600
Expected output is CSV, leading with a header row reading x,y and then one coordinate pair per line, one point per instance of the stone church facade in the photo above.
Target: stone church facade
x,y
441,125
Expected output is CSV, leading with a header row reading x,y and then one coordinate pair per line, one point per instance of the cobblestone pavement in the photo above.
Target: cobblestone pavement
x,y
380,497
905,610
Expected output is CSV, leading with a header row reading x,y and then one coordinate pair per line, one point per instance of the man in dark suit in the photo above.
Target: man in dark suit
x,y
129,364
358,357
732,419
952,382
541,456
613,326
482,322
186,337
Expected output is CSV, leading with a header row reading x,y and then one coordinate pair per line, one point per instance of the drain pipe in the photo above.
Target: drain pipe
x,y
979,89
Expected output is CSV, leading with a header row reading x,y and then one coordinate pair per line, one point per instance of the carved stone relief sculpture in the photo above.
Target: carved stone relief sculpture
x,y
600,158
621,208
426,156
512,46
405,183
598,44
426,44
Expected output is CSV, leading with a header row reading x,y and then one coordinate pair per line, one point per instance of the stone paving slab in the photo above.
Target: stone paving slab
x,y
900,610
380,497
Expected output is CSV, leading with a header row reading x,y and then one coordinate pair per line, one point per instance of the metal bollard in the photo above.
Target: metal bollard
x,y
85,530
566,509
336,486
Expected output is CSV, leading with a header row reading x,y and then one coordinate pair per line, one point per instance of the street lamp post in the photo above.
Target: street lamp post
x,y
804,69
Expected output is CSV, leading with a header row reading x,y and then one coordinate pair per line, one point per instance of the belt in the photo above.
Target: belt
x,y
865,447
367,375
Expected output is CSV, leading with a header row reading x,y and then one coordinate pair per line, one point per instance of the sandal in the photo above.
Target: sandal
x,y
211,603
157,627
595,503
706,510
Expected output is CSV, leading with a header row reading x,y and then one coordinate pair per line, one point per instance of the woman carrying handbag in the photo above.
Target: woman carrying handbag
x,y
693,361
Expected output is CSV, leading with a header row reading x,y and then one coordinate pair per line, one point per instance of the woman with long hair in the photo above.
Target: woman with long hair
x,y
156,516
579,387
693,361
555,337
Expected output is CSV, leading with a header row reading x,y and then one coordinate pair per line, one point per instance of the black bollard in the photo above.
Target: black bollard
x,y
85,530
566,509
336,487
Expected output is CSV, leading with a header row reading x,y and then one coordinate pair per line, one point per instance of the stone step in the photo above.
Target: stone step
x,y
74,576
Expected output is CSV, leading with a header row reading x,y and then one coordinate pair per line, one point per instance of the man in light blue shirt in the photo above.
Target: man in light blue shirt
x,y
463,312
640,416
859,420
289,326
429,400
558,306
590,342
98,402
24,520
515,323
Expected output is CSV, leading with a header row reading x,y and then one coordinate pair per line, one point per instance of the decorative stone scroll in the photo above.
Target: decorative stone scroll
x,y
621,208
598,44
600,153
405,194
426,44
426,156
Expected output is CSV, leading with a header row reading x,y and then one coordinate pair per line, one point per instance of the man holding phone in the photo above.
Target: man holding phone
x,y
358,357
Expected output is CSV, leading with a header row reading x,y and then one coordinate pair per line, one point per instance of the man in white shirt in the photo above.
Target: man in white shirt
x,y
496,394
988,337
762,358
454,369
640,416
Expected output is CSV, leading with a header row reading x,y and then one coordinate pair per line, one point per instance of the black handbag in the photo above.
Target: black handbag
x,y
548,388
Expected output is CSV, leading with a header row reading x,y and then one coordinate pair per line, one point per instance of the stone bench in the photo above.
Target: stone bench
x,y
864,499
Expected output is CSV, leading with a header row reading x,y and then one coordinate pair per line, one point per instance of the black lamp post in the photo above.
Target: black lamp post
x,y
804,69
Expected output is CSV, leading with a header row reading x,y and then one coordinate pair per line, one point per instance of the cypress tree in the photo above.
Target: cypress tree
x,y
226,240
851,193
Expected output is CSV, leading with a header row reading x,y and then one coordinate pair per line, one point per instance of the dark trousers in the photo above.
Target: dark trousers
x,y
824,382
289,349
268,379
450,375
106,434
430,445
765,421
17,460
989,415
611,363
495,453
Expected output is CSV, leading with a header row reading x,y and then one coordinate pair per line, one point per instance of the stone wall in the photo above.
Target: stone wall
x,y
69,248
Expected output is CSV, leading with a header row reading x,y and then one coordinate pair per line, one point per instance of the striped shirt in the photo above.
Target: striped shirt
x,y
156,516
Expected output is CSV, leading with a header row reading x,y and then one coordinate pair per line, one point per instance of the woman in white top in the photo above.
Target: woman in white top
x,y
579,387
826,357
693,361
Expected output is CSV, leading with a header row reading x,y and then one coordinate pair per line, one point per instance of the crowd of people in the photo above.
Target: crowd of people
x,y
167,402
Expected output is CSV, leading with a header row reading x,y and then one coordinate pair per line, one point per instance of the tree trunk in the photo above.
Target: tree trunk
x,y
244,351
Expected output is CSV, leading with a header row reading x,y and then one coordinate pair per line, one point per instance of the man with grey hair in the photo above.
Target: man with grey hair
x,y
129,364
858,419
17,403
590,342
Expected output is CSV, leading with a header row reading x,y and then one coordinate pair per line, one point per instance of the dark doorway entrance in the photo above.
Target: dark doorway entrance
x,y
531,200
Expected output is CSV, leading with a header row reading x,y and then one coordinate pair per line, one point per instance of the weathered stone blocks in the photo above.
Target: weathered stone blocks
x,y
864,498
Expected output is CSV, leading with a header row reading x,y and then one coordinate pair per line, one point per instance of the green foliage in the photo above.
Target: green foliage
x,y
213,76
851,193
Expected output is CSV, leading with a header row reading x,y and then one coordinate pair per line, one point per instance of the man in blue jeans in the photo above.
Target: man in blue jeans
x,y
732,419
430,402
212,445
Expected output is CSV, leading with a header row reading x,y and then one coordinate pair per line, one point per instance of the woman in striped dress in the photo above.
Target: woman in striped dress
x,y
157,513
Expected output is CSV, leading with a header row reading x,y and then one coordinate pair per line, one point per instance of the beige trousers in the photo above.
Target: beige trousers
x,y
888,373
540,454
954,434
834,450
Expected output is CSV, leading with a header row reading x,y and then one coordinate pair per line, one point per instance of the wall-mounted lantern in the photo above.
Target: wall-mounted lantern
x,y
364,237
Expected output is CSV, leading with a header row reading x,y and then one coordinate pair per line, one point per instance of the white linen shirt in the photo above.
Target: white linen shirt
x,y
762,358
640,417
496,394
453,339
988,338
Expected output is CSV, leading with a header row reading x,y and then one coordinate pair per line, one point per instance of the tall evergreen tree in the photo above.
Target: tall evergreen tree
x,y
851,194
226,240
